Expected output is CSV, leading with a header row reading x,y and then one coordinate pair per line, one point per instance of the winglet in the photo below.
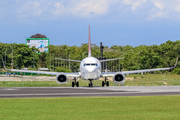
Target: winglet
x,y
4,64
176,61
89,44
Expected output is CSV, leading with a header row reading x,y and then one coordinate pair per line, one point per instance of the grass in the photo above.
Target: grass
x,y
152,80
88,108
131,80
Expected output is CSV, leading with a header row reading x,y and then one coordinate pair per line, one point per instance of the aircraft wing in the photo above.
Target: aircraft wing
x,y
69,60
111,59
42,72
110,74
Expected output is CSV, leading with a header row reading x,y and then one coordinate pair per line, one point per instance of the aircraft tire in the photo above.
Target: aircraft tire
x,y
89,85
72,84
102,83
77,84
107,84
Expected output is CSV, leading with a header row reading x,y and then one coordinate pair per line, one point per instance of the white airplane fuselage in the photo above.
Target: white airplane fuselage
x,y
90,69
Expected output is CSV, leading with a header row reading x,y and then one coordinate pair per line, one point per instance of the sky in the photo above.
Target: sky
x,y
113,22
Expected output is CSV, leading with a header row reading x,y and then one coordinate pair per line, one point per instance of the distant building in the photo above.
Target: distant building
x,y
43,69
24,68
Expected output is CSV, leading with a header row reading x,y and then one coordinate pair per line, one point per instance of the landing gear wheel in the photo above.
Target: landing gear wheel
x,y
72,84
90,84
107,84
102,83
77,84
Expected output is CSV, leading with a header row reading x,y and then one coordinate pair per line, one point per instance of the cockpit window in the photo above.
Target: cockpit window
x,y
92,64
87,64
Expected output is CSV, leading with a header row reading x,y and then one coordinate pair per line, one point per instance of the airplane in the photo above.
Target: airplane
x,y
90,69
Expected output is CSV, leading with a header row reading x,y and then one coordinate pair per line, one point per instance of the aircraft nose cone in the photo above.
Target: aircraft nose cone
x,y
90,69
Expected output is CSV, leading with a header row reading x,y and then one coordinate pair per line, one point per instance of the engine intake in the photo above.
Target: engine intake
x,y
61,79
119,78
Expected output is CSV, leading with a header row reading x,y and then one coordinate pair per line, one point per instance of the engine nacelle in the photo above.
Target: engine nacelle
x,y
119,78
61,79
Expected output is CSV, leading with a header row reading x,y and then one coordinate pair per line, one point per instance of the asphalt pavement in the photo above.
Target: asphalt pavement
x,y
30,92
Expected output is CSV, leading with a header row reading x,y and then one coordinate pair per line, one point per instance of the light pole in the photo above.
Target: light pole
x,y
33,59
50,61
122,67
5,57
61,61
53,62
58,61
119,65
138,59
69,62
12,58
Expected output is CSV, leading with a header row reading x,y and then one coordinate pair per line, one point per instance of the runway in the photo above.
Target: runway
x,y
88,92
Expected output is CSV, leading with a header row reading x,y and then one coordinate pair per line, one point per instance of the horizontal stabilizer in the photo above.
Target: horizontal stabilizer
x,y
68,60
111,59
176,61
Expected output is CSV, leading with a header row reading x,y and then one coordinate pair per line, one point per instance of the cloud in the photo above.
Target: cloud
x,y
159,5
176,5
89,9
58,8
134,3
158,14
81,8
166,9
177,8
30,9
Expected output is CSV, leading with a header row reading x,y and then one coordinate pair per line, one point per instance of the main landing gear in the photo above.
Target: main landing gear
x,y
75,83
90,84
105,82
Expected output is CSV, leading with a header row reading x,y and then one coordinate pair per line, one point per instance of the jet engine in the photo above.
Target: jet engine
x,y
119,78
61,79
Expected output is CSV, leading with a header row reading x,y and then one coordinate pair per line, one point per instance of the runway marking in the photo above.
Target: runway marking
x,y
10,89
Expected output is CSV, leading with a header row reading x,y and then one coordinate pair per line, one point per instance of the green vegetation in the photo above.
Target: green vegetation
x,y
60,69
140,57
88,108
131,80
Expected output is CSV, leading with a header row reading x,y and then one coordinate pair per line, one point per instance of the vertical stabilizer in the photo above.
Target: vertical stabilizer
x,y
89,44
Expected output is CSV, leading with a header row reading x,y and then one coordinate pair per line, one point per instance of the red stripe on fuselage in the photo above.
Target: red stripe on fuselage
x,y
89,49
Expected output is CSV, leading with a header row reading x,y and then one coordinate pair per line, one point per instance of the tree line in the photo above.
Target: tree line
x,y
139,57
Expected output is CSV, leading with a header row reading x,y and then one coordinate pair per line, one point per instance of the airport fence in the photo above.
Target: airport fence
x,y
50,81
40,81
21,73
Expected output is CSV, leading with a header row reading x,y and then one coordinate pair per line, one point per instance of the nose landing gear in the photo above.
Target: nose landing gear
x,y
105,82
75,83
90,84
